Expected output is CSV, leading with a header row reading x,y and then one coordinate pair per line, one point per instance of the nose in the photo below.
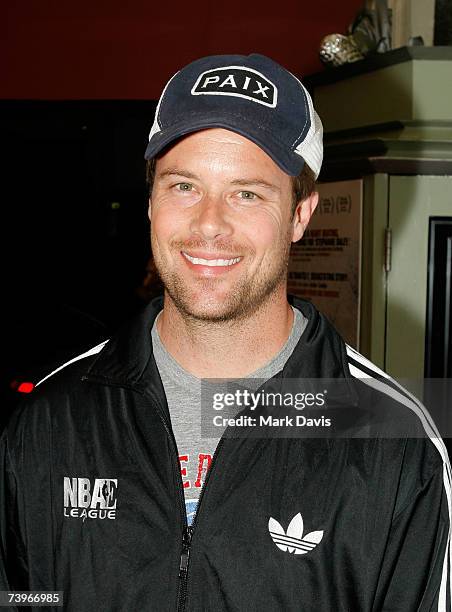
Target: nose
x,y
210,220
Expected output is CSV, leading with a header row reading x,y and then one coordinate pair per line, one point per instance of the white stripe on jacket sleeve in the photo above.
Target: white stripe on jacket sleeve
x,y
411,402
91,351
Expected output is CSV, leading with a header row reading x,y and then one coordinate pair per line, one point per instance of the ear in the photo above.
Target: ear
x,y
303,213
150,208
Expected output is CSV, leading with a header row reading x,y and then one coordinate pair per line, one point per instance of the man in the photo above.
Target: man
x,y
103,471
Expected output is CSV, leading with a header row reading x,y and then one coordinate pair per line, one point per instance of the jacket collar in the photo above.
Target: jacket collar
x,y
127,359
128,355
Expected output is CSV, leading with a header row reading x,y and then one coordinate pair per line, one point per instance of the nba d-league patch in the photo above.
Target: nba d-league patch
x,y
236,81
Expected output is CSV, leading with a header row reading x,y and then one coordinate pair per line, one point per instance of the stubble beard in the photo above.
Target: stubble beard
x,y
198,301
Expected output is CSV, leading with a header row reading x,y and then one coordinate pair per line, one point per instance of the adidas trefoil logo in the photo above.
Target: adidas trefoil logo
x,y
293,541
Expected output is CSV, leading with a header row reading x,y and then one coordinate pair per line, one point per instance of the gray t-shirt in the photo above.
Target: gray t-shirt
x,y
183,393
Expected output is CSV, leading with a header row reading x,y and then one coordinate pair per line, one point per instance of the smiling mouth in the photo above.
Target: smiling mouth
x,y
214,263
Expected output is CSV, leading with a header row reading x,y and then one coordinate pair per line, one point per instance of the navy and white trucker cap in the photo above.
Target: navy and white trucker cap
x,y
251,95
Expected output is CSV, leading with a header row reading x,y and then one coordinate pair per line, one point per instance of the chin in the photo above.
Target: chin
x,y
209,307
209,300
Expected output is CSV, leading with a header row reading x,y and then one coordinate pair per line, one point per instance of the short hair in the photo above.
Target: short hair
x,y
302,185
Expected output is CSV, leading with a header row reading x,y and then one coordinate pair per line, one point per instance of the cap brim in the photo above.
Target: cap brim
x,y
288,161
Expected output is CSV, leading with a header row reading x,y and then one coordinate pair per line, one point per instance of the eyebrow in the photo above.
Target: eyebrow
x,y
244,182
177,172
258,182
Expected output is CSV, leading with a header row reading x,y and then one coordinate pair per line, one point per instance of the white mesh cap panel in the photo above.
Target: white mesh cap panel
x,y
311,149
156,125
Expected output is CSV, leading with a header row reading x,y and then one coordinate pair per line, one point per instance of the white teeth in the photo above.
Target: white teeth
x,y
212,262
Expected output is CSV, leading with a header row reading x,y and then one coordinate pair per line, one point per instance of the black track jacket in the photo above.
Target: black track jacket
x,y
91,499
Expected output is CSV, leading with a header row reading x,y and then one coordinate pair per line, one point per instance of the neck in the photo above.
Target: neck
x,y
227,349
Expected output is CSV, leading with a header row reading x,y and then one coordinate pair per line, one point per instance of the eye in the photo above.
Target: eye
x,y
248,195
184,186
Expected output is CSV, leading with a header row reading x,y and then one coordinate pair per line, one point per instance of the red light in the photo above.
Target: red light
x,y
25,387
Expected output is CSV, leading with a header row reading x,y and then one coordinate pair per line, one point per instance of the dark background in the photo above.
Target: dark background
x,y
75,201
443,22
75,228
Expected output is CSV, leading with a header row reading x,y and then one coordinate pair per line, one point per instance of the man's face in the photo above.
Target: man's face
x,y
221,225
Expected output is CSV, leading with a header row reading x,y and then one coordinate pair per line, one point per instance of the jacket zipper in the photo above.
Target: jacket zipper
x,y
183,567
185,555
187,532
